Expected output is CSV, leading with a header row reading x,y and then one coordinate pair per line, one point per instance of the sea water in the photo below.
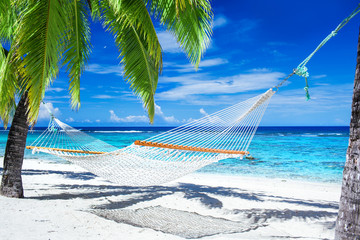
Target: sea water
x,y
300,153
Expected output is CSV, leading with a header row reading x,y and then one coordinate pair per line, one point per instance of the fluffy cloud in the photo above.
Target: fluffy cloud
x,y
319,76
103,96
168,42
44,113
184,68
105,69
51,89
201,84
142,118
131,118
168,119
219,21
203,112
70,119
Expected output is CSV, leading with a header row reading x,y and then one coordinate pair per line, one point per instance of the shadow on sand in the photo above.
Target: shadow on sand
x,y
208,196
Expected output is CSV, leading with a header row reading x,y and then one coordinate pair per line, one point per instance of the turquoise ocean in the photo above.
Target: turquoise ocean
x,y
299,153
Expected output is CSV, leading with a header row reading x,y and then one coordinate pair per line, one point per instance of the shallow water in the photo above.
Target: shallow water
x,y
302,153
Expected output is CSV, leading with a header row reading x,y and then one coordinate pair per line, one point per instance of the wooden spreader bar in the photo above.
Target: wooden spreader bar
x,y
188,148
65,150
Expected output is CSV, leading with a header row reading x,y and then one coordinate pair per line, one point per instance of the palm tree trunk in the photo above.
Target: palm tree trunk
x,y
11,183
348,220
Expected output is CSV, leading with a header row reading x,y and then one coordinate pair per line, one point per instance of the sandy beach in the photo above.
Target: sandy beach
x,y
62,201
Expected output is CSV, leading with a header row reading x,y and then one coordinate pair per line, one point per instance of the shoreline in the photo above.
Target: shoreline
x,y
64,202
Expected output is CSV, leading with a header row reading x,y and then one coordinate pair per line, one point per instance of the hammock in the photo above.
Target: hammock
x,y
172,154
164,157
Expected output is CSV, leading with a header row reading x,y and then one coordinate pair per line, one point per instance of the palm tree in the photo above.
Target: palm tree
x,y
46,35
348,220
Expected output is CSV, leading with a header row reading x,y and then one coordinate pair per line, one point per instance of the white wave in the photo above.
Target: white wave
x,y
308,135
129,131
331,134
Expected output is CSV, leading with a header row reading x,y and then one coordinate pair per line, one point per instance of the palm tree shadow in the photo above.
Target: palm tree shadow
x,y
66,174
208,196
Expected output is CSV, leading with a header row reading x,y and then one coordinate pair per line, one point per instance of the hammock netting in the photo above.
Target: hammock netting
x,y
164,157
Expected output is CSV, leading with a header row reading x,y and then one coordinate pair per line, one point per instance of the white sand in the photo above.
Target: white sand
x,y
59,199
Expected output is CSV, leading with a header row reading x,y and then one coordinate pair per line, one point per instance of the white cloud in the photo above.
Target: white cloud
x,y
193,85
219,21
142,118
319,76
190,68
168,119
259,70
203,112
131,118
70,119
323,99
168,42
105,69
44,113
187,120
58,97
51,89
87,121
103,96
97,120
212,119
213,62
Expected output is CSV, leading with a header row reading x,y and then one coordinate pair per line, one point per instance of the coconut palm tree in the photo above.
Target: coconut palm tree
x,y
348,220
46,35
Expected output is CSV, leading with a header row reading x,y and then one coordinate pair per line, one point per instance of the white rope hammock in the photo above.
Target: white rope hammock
x,y
172,154
164,157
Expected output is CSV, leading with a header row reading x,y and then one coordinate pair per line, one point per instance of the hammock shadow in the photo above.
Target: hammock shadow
x,y
116,202
177,222
190,191
206,195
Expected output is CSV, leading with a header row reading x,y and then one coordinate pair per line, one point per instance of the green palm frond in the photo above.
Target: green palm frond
x,y
136,14
4,7
95,7
115,5
8,21
189,21
39,43
180,5
47,34
140,50
8,86
78,48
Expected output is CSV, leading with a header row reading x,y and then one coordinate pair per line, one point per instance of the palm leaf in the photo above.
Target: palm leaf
x,y
4,7
189,21
140,50
77,48
8,86
95,7
8,21
39,43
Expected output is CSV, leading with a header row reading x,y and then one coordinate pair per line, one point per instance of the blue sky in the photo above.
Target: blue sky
x,y
255,44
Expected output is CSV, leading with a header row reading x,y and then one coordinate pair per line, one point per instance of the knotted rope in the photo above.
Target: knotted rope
x,y
301,69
